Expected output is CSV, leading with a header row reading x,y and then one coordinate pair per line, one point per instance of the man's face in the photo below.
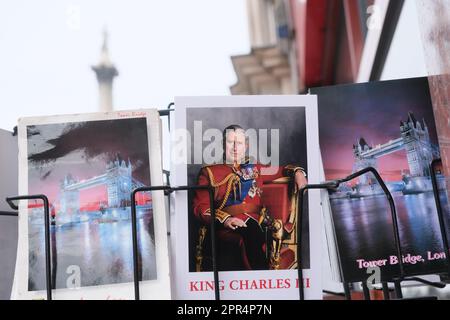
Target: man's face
x,y
235,146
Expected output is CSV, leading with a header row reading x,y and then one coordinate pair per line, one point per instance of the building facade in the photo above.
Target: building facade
x,y
315,43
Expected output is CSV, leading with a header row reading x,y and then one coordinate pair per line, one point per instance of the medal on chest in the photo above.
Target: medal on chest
x,y
248,173
254,190
248,176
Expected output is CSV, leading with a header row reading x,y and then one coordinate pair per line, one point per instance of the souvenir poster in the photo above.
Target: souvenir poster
x,y
255,151
87,165
389,126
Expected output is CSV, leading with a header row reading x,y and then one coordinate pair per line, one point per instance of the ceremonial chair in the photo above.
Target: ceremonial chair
x,y
280,217
279,198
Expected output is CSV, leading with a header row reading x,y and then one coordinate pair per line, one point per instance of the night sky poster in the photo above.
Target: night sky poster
x,y
389,126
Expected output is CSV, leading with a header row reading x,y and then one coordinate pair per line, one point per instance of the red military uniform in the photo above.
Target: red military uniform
x,y
237,194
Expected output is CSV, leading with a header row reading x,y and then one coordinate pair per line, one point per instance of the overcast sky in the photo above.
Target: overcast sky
x,y
162,48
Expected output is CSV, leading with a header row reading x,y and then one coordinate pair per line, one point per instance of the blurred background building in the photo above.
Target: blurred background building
x,y
269,68
300,44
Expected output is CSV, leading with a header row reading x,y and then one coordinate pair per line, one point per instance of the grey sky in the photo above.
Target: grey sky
x,y
161,48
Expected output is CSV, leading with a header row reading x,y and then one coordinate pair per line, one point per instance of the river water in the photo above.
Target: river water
x,y
100,247
364,232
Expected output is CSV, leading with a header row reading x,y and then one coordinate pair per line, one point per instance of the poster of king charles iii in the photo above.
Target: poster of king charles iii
x,y
256,152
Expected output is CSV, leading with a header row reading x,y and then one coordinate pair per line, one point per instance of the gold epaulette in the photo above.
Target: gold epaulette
x,y
212,179
231,181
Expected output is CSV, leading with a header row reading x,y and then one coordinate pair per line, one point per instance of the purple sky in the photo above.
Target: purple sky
x,y
372,111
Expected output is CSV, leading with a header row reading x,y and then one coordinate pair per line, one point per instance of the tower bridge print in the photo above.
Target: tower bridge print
x,y
119,183
420,152
88,170
388,125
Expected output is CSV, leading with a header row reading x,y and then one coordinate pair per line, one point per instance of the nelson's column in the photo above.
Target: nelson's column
x,y
105,71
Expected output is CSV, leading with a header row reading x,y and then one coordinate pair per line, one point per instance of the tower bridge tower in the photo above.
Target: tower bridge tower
x,y
119,182
70,198
362,162
418,146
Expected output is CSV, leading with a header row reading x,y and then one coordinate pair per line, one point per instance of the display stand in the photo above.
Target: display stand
x,y
9,214
169,190
333,185
44,198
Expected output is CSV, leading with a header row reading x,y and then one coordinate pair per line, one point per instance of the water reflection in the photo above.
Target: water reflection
x,y
101,247
364,230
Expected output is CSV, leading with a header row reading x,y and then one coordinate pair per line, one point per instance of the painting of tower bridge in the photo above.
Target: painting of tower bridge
x,y
414,138
119,183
